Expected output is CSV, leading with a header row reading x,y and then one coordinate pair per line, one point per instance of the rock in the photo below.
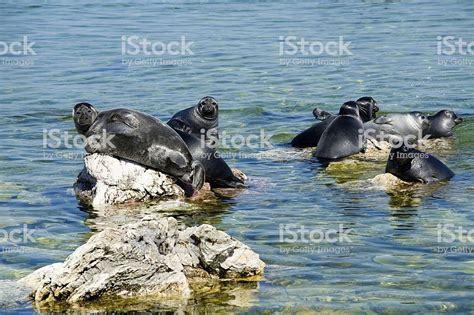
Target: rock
x,y
154,257
108,180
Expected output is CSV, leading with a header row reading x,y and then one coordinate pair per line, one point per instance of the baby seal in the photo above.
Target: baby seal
x,y
412,165
442,124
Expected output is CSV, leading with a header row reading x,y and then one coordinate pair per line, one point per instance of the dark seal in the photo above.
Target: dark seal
x,y
84,115
218,173
310,137
442,124
412,165
201,119
145,140
344,135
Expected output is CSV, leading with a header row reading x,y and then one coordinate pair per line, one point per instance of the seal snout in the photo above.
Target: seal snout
x,y
458,120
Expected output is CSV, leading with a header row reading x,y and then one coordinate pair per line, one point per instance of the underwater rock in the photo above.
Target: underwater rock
x,y
154,257
108,180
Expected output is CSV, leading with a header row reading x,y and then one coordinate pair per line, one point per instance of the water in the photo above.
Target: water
x,y
392,263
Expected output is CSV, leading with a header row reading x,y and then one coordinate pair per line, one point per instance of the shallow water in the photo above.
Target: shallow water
x,y
392,262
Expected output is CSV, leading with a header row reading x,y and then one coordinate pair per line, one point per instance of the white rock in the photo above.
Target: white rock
x,y
154,257
108,180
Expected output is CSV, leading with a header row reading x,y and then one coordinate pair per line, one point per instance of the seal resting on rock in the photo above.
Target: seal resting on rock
x,y
344,135
397,128
143,139
442,124
199,119
310,137
412,165
218,173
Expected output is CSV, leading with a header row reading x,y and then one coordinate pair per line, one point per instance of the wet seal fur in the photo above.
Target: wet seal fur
x,y
442,124
310,137
143,139
343,136
412,165
199,119
84,115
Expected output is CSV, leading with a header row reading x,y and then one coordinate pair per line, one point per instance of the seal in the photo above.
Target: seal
x,y
442,124
366,105
84,115
367,108
343,137
199,119
397,128
218,173
143,139
412,165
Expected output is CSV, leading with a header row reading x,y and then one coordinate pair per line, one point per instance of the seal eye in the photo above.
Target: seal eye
x,y
214,103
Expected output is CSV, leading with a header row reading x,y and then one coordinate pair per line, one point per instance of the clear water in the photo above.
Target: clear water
x,y
391,265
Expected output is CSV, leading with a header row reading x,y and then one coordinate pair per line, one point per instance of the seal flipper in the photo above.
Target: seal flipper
x,y
321,114
198,175
235,183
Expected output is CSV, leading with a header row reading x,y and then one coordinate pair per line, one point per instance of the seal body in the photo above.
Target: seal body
x,y
397,128
84,115
143,139
442,124
201,119
218,173
344,135
412,165
310,137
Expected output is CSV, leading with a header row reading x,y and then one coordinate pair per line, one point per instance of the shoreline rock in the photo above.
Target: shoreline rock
x,y
154,257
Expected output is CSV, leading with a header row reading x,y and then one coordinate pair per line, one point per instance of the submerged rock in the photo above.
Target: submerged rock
x,y
13,295
154,257
108,180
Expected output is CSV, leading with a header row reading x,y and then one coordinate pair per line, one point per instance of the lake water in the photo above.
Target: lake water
x,y
393,261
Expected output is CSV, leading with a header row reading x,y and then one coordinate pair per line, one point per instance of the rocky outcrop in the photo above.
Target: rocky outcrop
x,y
153,257
107,180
